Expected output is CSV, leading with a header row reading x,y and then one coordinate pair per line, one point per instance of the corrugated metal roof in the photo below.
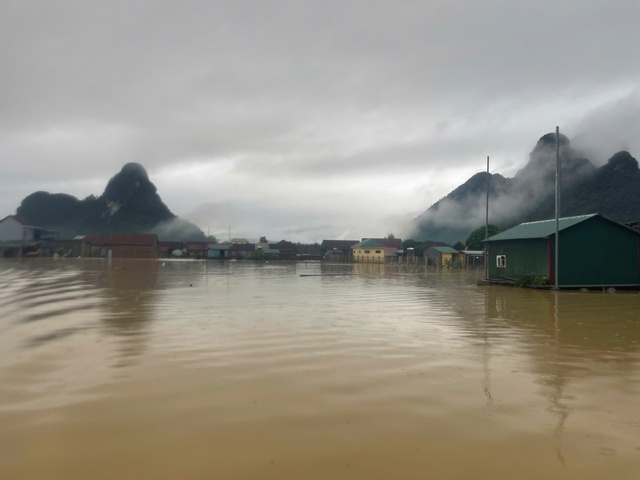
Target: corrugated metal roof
x,y
446,250
240,247
131,239
196,246
540,229
95,239
19,219
338,244
387,242
368,243
221,246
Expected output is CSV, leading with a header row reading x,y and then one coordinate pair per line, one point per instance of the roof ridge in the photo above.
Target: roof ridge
x,y
587,215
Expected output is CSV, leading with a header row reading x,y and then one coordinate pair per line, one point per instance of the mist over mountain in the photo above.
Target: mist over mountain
x,y
130,203
612,190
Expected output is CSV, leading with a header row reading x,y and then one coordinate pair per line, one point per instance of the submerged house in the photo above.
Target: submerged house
x,y
241,251
369,251
89,246
472,257
593,251
219,251
393,247
337,250
197,249
170,248
442,256
131,245
18,236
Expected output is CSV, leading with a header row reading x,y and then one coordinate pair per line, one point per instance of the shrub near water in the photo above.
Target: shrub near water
x,y
532,280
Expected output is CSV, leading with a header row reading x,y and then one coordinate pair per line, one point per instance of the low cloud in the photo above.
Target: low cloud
x,y
465,209
609,127
308,113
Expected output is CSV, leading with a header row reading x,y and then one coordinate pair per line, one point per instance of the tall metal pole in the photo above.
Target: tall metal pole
x,y
486,226
557,239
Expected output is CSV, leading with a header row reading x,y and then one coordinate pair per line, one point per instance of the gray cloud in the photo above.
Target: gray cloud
x,y
348,99
610,127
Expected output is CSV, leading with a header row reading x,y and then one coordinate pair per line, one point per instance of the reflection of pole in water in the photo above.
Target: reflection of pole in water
x,y
557,382
486,356
556,320
128,303
486,352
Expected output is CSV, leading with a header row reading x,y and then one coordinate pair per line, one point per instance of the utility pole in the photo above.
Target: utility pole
x,y
486,226
557,239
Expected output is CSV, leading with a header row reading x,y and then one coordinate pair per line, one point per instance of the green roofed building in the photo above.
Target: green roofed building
x,y
593,251
442,255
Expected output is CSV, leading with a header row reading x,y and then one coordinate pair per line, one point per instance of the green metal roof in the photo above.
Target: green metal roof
x,y
446,250
368,243
540,229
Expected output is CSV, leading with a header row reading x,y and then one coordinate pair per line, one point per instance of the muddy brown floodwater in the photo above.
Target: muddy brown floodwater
x,y
209,370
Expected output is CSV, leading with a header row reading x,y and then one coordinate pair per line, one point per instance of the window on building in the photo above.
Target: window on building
x,y
501,261
367,251
377,251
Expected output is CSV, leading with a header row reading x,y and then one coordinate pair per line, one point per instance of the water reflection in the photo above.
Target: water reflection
x,y
129,296
557,383
370,269
584,323
382,368
40,305
570,337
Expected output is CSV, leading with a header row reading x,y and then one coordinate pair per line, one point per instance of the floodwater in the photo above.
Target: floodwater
x,y
239,370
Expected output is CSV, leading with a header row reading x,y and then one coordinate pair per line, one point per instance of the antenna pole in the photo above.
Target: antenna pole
x,y
486,226
557,239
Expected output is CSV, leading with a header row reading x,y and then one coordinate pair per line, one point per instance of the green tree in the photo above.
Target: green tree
x,y
418,247
458,245
475,238
262,240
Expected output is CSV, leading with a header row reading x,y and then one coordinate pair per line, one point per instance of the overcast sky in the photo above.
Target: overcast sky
x,y
304,120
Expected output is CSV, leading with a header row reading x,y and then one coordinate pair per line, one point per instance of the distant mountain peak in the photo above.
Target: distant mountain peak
x,y
622,161
131,183
549,141
133,168
542,159
130,203
613,190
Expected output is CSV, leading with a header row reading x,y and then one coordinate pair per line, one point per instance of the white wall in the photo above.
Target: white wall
x,y
11,229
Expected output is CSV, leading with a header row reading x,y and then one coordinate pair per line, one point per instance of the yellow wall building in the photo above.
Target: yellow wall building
x,y
368,251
